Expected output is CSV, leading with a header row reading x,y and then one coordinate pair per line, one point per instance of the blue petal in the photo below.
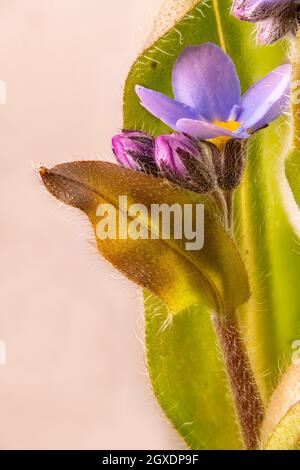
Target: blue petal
x,y
166,109
267,99
204,77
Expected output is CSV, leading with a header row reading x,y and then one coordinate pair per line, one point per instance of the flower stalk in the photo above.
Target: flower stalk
x,y
247,399
228,195
249,405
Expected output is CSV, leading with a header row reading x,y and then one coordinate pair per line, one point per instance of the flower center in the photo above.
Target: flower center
x,y
230,126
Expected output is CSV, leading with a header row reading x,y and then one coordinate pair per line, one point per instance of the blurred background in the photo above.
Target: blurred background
x,y
75,375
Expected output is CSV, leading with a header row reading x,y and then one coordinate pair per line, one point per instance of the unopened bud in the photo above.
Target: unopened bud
x,y
275,18
231,166
135,150
185,162
259,10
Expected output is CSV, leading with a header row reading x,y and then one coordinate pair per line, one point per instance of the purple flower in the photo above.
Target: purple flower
x,y
275,18
208,102
135,150
186,162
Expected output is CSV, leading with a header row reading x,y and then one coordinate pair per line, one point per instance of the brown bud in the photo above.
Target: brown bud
x,y
201,176
232,166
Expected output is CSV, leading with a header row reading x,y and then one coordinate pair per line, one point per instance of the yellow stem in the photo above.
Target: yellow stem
x,y
219,23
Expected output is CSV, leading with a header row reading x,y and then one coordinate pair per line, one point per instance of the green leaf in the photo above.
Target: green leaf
x,y
287,434
266,237
281,427
180,277
188,376
292,171
286,395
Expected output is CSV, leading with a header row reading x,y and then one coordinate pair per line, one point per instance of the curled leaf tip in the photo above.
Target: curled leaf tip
x,y
43,171
66,183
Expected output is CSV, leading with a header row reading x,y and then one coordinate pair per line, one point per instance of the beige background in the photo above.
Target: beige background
x,y
75,375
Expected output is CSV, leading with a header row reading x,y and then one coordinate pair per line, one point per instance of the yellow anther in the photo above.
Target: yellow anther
x,y
230,126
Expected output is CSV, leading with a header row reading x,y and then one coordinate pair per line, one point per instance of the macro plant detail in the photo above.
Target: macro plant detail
x,y
208,102
201,126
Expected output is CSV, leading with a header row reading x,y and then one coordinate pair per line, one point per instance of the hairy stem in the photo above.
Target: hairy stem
x,y
221,203
248,402
228,195
249,405
292,163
